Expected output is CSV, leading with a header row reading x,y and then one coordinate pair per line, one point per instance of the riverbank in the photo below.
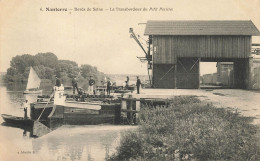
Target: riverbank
x,y
190,130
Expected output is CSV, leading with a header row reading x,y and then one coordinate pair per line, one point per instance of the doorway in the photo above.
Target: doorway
x,y
219,74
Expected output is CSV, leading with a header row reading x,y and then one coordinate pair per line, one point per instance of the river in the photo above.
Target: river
x,y
69,142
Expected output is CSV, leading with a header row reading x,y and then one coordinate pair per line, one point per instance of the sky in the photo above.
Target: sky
x,y
101,38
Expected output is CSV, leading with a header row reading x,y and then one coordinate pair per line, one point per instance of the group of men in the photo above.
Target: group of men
x,y
138,83
92,83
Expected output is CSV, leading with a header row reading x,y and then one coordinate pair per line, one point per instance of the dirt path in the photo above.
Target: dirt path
x,y
245,102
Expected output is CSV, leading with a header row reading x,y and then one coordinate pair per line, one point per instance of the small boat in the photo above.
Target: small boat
x,y
33,84
32,91
17,120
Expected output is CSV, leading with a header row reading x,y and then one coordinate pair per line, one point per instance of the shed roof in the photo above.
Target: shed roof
x,y
201,28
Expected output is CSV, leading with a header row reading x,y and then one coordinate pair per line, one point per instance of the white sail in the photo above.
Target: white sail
x,y
33,81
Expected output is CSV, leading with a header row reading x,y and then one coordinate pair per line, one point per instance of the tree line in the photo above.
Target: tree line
x,y
47,66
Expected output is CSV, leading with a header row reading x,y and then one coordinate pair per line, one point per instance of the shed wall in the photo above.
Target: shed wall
x,y
166,49
164,75
187,75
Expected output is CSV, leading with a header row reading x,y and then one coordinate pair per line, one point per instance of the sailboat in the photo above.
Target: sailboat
x,y
33,84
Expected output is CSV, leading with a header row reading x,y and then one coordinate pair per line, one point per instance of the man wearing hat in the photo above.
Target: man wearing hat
x,y
58,83
138,84
91,83
75,85
109,86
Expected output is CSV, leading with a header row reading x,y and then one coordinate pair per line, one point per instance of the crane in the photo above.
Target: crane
x,y
148,56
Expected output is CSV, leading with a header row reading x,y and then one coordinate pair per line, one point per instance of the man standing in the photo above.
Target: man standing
x,y
58,83
75,85
25,109
91,83
109,84
138,84
127,82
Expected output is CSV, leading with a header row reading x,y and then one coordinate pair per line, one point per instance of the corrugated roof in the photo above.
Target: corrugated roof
x,y
201,28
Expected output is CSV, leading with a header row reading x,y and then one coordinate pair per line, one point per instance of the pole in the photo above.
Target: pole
x,y
45,106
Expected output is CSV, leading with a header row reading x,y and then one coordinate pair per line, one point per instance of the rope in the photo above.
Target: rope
x,y
45,106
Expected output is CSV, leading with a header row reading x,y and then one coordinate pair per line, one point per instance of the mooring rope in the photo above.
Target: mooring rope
x,y
45,106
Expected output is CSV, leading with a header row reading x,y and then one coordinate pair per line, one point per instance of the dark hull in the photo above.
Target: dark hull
x,y
84,114
17,120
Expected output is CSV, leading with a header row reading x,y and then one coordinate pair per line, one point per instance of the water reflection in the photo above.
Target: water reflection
x,y
80,142
26,129
15,87
12,99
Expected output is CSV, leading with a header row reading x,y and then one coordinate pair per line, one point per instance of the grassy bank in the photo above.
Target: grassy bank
x,y
190,130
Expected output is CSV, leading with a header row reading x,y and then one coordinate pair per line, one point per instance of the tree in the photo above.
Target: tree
x,y
26,72
46,65
18,63
70,68
20,66
47,59
49,72
86,70
74,71
68,62
11,71
40,70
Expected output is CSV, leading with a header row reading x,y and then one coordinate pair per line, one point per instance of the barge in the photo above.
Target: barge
x,y
87,109
76,110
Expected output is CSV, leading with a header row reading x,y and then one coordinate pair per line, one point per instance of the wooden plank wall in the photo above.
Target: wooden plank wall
x,y
163,76
168,48
188,73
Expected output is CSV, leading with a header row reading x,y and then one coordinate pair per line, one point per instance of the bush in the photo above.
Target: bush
x,y
190,130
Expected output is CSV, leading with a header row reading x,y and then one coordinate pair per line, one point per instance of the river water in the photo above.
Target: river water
x,y
69,142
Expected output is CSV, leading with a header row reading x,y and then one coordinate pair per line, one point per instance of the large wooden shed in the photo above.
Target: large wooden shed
x,y
178,47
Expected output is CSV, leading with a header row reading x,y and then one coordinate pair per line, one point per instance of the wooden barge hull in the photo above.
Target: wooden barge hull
x,y
75,113
67,115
